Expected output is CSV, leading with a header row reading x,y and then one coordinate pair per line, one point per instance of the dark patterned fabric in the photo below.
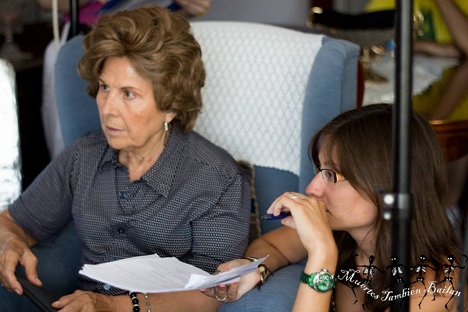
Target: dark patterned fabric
x,y
248,170
194,204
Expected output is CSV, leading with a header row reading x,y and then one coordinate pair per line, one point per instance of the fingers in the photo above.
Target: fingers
x,y
308,216
232,292
195,7
83,301
210,292
221,293
10,283
229,292
290,201
232,264
295,195
66,300
226,293
30,267
285,202
8,263
300,206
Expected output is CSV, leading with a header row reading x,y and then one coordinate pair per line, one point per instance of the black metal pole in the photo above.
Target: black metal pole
x,y
74,18
402,111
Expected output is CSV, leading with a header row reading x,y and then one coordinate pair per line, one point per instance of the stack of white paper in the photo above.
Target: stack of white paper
x,y
153,274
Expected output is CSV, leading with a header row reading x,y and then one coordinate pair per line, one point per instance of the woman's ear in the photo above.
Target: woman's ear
x,y
169,117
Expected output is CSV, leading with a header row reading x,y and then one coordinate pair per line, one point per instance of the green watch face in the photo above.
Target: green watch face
x,y
321,281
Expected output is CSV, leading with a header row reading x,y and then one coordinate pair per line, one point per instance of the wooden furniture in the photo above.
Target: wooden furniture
x,y
445,103
453,138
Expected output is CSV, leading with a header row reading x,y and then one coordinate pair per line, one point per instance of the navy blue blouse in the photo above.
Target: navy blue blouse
x,y
193,204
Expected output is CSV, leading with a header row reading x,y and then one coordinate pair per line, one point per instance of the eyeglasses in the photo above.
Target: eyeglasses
x,y
331,176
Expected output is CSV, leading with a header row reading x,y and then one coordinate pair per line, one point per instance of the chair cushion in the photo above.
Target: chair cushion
x,y
255,89
70,90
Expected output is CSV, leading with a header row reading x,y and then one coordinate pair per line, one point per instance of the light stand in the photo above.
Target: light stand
x,y
74,18
398,203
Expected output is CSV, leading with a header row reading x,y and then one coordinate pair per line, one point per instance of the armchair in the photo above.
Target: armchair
x,y
268,89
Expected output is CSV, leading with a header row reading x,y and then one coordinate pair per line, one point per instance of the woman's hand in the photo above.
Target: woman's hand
x,y
15,249
16,252
232,292
194,7
84,301
308,217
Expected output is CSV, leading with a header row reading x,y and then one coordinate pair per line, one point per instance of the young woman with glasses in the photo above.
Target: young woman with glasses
x,y
337,227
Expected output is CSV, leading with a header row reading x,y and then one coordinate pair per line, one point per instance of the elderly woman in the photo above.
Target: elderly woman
x,y
337,228
147,183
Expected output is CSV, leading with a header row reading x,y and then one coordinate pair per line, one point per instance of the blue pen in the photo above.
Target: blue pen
x,y
270,216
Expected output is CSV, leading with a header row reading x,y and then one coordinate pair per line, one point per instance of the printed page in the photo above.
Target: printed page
x,y
152,274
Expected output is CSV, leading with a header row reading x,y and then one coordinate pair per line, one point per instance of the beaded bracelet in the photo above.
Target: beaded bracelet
x,y
148,302
135,302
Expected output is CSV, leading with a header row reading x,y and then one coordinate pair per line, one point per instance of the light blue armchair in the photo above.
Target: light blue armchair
x,y
268,89
263,83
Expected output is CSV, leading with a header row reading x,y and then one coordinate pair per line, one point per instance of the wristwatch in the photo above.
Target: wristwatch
x,y
264,271
322,281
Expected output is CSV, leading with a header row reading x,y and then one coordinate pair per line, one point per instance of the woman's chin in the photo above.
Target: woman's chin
x,y
115,143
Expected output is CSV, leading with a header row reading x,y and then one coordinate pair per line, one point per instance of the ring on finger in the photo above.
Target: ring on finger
x,y
221,299
294,196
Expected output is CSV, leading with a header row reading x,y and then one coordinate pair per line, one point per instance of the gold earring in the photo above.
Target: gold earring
x,y
166,126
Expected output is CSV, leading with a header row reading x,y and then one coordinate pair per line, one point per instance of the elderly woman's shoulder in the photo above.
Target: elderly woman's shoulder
x,y
211,155
90,142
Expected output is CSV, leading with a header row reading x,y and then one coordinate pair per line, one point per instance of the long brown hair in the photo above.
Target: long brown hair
x,y
161,47
362,141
